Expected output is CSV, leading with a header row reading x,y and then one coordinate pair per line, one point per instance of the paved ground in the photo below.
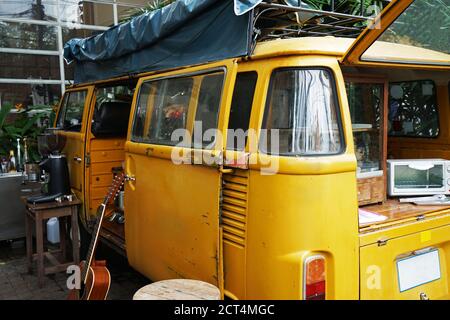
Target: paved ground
x,y
17,284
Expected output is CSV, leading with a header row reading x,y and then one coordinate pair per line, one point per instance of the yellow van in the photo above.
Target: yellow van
x,y
301,208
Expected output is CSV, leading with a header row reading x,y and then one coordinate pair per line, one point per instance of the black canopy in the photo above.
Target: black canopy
x,y
183,33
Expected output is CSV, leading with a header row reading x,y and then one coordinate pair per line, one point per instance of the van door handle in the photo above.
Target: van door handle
x,y
130,170
77,159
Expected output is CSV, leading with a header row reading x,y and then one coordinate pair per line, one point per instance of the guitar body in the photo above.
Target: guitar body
x,y
98,282
94,275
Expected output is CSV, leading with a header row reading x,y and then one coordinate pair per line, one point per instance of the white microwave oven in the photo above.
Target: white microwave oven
x,y
418,177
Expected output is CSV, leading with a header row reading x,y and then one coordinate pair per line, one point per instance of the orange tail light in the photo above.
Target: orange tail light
x,y
314,278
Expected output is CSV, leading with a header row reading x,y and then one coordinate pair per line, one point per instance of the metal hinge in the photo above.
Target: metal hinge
x,y
420,217
87,160
423,296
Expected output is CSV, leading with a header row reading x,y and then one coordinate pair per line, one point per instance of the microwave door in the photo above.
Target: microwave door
x,y
418,178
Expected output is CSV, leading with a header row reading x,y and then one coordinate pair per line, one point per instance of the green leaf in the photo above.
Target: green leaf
x,y
29,124
4,111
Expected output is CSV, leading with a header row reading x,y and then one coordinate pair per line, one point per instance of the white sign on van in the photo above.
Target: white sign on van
x,y
417,270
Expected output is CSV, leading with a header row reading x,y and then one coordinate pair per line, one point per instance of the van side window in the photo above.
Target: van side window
x,y
241,107
162,108
165,105
112,111
171,101
137,133
70,116
413,110
301,115
207,113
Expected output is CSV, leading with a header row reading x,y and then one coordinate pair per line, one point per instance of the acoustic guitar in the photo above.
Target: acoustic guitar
x,y
95,277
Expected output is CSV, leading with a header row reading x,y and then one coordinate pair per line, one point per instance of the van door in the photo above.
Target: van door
x,y
71,119
409,261
172,197
235,184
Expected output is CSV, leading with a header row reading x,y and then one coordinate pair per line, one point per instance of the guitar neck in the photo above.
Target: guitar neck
x,y
93,244
112,192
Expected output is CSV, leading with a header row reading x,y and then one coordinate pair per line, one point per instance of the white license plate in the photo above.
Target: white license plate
x,y
418,269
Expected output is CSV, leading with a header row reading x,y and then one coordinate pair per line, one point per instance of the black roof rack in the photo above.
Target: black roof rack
x,y
283,19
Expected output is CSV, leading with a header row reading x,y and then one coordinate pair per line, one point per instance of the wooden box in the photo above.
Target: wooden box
x,y
371,190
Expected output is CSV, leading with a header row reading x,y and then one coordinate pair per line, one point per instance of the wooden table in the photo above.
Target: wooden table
x,y
67,214
396,212
178,289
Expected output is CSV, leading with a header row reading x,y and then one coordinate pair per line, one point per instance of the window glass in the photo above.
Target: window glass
x,y
301,116
366,107
86,12
140,117
27,36
170,109
207,113
29,9
29,66
112,111
29,95
241,107
409,177
166,105
122,93
424,24
70,117
68,33
413,109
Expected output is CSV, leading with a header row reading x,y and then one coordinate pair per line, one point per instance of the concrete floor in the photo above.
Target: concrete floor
x,y
17,284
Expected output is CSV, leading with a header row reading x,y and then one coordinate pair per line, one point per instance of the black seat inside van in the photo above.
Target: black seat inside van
x,y
111,119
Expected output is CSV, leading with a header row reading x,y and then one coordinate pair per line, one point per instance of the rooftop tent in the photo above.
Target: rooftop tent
x,y
185,32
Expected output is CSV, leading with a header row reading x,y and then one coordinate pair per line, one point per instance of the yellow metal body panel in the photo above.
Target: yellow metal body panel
x,y
288,210
379,279
292,217
172,211
75,149
386,54
171,231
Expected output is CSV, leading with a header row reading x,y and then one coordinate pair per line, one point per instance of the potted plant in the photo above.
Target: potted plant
x,y
26,124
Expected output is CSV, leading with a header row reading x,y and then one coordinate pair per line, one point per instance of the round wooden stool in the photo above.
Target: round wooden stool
x,y
178,289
